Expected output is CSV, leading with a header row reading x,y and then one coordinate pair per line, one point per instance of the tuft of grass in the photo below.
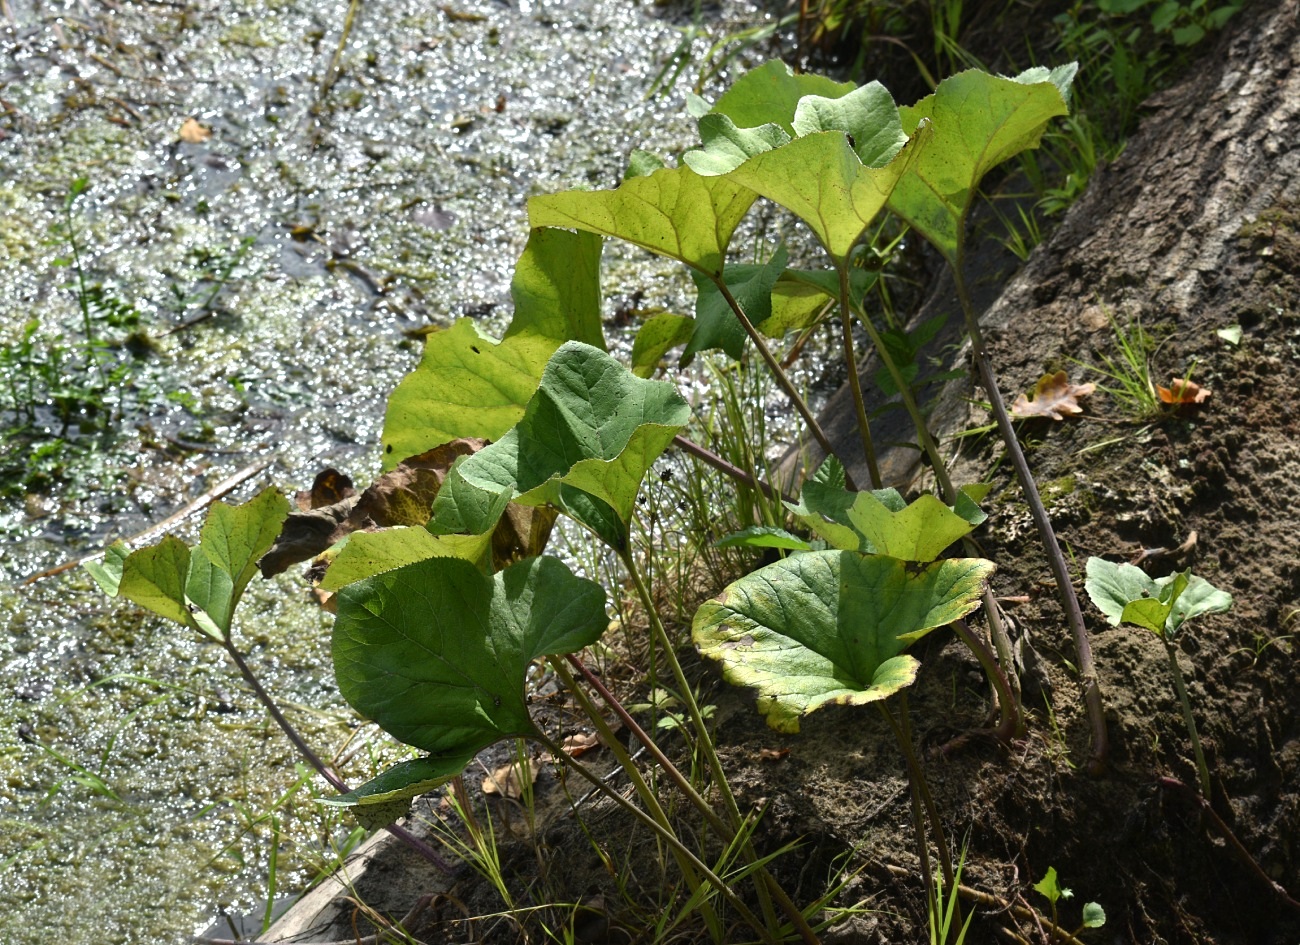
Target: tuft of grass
x,y
1129,373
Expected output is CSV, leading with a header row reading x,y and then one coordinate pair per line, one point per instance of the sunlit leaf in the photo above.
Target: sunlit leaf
x,y
470,385
977,121
771,93
592,425
1127,594
830,627
822,181
660,334
674,212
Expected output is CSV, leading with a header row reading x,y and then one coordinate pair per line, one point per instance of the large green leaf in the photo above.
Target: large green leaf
x,y
674,212
771,93
1127,594
830,627
977,121
556,288
369,553
822,181
867,115
436,652
470,385
592,425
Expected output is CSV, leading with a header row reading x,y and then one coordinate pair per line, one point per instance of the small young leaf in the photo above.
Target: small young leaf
x,y
1094,916
108,572
829,627
1049,887
1125,593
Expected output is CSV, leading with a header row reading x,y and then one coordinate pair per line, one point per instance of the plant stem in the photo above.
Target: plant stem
x,y
1173,784
666,835
684,785
703,740
1055,557
643,791
855,383
782,379
264,697
1202,769
902,728
727,469
1006,683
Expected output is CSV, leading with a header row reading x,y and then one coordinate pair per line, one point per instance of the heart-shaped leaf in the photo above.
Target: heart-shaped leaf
x,y
821,180
436,652
470,385
880,521
830,627
674,212
1127,594
977,121
591,425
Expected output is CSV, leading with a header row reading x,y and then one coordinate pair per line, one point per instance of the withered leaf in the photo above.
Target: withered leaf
x,y
772,754
508,780
194,133
1182,392
329,488
1054,397
403,496
580,744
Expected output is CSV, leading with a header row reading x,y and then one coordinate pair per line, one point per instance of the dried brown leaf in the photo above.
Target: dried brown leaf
x,y
508,780
194,133
577,745
1182,392
1054,397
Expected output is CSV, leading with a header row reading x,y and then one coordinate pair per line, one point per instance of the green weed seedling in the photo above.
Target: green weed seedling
x,y
1094,916
1125,594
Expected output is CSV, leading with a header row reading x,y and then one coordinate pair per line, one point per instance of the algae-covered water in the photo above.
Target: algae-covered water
x,y
271,212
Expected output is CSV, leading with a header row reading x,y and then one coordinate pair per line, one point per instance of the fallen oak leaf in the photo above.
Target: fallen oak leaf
x,y
1182,392
580,744
508,780
1054,397
194,133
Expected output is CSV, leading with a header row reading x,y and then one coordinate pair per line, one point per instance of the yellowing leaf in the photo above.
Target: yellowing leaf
x,y
1054,397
